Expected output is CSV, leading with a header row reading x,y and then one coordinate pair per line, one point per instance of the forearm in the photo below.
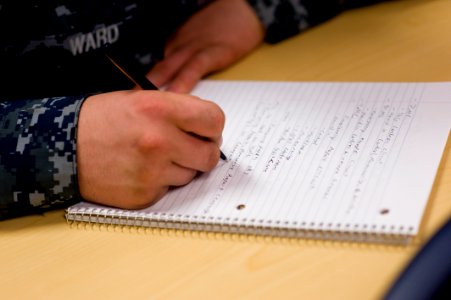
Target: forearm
x,y
38,155
283,19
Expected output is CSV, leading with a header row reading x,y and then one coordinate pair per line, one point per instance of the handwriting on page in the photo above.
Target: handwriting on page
x,y
310,160
324,146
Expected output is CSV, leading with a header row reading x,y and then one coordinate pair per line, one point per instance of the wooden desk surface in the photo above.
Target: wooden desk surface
x,y
42,257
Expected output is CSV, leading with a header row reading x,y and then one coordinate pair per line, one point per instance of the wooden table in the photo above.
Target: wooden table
x,y
43,257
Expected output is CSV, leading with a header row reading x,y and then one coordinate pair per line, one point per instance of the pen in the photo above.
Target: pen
x,y
142,81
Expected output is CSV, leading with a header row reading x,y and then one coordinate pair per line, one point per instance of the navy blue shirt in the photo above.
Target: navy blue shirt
x,y
52,57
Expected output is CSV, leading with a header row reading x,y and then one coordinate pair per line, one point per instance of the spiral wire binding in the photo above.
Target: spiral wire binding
x,y
258,227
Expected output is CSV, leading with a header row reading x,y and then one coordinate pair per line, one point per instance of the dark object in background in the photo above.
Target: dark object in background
x,y
428,274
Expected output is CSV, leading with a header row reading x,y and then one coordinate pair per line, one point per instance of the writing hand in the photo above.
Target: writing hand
x,y
212,39
133,145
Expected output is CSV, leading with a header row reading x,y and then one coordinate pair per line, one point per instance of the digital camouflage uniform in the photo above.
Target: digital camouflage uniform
x,y
52,57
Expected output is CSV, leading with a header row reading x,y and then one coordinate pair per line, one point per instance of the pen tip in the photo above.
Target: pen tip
x,y
222,155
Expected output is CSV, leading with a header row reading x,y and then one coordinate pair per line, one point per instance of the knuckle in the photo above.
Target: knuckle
x,y
151,104
153,142
217,117
201,61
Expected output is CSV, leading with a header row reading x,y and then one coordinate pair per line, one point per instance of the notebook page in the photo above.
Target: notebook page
x,y
329,156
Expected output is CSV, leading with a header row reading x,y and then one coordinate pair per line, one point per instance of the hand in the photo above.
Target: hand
x,y
133,145
212,39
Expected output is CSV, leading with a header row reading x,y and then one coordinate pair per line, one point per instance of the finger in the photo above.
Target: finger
x,y
165,70
198,65
186,113
203,158
177,175
194,153
197,116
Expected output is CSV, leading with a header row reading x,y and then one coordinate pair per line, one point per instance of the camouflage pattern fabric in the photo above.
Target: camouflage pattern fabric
x,y
285,18
38,109
44,64
37,155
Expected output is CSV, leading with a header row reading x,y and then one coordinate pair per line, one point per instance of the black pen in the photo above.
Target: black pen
x,y
142,81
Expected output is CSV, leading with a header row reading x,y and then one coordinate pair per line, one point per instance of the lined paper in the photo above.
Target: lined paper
x,y
319,156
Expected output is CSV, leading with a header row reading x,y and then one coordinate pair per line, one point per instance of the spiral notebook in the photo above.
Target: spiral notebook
x,y
347,160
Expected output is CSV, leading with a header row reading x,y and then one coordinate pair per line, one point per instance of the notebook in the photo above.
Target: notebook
x,y
351,161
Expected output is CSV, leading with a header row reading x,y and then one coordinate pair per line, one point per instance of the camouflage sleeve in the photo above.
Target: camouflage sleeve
x,y
37,155
285,18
